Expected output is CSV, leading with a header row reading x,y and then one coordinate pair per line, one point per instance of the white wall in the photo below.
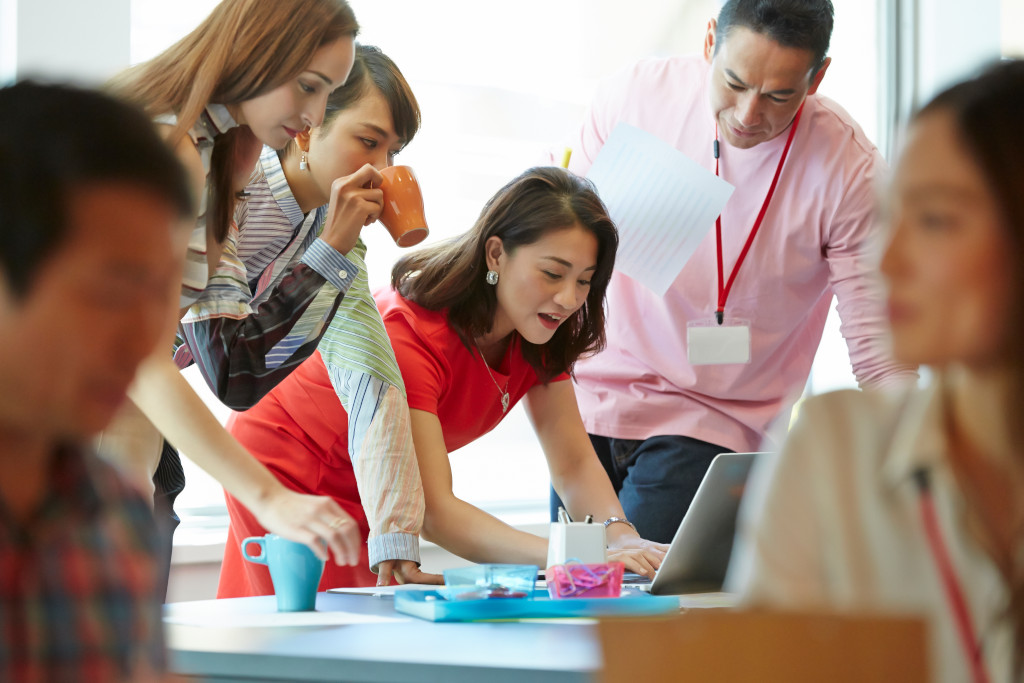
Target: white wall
x,y
8,39
1012,21
954,38
70,39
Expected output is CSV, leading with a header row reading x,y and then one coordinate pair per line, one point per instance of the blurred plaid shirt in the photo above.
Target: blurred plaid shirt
x,y
80,598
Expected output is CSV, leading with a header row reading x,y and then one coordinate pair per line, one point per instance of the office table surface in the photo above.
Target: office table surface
x,y
405,649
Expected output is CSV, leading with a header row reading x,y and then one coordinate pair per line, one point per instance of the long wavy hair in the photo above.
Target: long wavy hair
x,y
987,114
450,275
243,49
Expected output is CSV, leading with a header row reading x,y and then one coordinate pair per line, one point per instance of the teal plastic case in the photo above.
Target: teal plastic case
x,y
432,606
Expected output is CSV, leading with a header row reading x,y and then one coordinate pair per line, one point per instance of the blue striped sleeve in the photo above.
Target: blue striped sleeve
x,y
332,264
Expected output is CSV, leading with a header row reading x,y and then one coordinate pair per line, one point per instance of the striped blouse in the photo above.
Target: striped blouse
x,y
244,344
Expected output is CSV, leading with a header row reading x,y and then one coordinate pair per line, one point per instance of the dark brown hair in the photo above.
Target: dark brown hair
x,y
373,69
56,140
450,275
244,49
986,111
801,24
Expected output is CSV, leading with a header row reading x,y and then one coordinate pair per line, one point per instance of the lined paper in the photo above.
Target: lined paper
x,y
662,202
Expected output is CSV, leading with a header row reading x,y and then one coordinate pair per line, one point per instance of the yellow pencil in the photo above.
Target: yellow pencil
x,y
565,157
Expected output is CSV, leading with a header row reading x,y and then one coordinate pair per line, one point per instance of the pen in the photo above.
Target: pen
x,y
563,516
565,157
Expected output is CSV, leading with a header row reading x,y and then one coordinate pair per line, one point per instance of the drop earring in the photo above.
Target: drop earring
x,y
491,277
303,164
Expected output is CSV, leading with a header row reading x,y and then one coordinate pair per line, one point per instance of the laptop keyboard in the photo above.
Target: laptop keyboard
x,y
633,579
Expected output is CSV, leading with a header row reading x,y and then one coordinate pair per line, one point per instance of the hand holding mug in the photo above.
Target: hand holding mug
x,y
356,201
317,521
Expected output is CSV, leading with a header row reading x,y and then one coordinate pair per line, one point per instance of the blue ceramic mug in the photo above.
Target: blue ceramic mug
x,y
294,570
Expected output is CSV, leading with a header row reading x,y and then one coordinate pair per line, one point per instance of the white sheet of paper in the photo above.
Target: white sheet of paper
x,y
269,618
708,600
662,202
383,590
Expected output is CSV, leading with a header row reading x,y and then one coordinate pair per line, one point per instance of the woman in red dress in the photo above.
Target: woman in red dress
x,y
477,323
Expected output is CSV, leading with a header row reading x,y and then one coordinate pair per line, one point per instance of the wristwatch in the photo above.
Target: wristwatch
x,y
613,520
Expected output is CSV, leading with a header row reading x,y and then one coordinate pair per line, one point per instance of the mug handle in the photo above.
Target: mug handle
x,y
261,542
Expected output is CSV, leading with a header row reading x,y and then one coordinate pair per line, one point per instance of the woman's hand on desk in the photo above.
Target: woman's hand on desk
x,y
313,520
639,555
405,571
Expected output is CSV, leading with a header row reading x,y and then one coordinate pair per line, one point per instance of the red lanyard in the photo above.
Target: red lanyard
x,y
954,594
723,290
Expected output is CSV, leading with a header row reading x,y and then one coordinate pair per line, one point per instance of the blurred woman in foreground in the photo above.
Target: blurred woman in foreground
x,y
915,503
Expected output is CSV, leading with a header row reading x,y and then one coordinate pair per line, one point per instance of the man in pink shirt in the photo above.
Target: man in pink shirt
x,y
656,409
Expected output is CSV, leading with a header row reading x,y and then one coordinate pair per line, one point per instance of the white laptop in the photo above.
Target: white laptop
x,y
698,556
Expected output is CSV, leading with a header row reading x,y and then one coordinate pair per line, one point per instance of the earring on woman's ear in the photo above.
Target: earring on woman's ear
x,y
303,164
492,277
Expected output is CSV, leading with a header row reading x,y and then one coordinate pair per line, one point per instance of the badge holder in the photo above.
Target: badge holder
x,y
708,343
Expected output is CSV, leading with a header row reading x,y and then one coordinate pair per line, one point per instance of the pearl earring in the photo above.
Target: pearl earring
x,y
303,164
492,277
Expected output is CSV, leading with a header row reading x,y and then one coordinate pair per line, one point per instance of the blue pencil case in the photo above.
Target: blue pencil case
x,y
432,606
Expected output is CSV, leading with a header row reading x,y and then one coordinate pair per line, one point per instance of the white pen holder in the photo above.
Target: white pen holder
x,y
576,541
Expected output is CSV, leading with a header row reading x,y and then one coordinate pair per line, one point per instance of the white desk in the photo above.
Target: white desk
x,y
406,650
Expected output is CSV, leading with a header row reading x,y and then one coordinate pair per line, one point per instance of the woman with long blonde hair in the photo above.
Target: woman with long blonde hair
x,y
252,73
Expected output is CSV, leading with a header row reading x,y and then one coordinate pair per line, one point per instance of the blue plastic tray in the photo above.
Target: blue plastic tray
x,y
432,606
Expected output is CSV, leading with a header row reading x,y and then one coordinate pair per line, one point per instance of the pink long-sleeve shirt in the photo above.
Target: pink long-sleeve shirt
x,y
820,236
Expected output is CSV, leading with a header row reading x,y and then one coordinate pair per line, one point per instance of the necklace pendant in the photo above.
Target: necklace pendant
x,y
504,402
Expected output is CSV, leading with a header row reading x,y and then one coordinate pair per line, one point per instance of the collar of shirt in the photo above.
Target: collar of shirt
x,y
919,440
220,118
214,120
278,184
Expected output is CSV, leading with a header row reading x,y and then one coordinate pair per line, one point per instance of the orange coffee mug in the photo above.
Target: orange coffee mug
x,y
403,206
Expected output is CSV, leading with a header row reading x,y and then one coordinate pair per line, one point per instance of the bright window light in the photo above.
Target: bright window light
x,y
499,93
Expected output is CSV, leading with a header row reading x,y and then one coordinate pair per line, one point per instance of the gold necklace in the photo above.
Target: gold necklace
x,y
502,392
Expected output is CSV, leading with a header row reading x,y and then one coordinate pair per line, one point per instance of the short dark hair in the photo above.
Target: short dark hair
x,y
450,275
373,68
55,139
803,24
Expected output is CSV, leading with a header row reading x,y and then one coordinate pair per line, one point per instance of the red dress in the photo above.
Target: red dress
x,y
299,430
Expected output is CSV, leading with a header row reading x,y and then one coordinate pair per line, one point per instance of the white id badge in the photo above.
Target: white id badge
x,y
709,343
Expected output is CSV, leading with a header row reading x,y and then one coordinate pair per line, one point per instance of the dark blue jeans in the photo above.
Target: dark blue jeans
x,y
655,479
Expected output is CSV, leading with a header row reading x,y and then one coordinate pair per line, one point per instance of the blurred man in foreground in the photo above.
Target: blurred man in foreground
x,y
90,261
